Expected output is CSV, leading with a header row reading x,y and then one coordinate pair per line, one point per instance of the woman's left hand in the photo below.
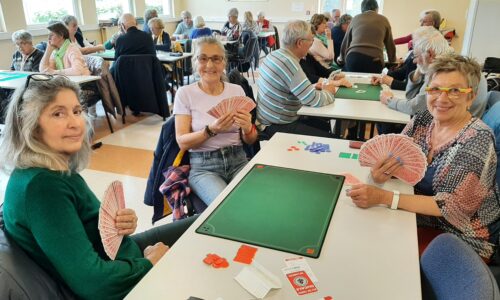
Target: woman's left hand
x,y
364,195
243,120
126,221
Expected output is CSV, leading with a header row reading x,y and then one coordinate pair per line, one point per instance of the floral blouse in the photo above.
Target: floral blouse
x,y
461,179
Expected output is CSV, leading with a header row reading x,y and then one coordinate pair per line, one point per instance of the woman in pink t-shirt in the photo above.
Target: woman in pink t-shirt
x,y
215,145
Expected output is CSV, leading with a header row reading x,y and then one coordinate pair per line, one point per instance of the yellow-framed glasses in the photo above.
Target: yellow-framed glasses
x,y
452,93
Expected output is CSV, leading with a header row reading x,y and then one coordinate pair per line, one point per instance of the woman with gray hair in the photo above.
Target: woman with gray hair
x,y
76,37
149,14
200,29
265,25
185,27
161,39
215,146
26,58
51,212
232,28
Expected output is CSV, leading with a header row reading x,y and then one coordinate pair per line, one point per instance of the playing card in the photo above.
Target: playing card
x,y
414,162
232,105
113,201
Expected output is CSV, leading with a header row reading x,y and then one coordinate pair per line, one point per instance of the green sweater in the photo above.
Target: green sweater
x,y
53,217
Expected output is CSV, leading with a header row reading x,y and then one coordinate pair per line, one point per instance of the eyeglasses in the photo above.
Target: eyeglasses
x,y
34,77
216,59
309,40
452,93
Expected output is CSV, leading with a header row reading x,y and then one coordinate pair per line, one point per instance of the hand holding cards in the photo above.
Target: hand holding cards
x,y
113,201
232,105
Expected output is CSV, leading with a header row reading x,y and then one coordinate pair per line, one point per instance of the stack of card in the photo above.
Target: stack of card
x,y
402,147
231,105
112,202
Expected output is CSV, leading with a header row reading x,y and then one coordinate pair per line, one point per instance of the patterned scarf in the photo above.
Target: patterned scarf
x,y
59,54
322,38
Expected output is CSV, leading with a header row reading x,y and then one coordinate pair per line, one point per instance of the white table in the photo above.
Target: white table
x,y
264,34
18,82
359,110
367,253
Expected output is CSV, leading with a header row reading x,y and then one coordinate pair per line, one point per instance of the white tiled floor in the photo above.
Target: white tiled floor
x,y
142,135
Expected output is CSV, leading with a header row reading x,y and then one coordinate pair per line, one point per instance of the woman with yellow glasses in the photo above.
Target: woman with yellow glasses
x,y
458,193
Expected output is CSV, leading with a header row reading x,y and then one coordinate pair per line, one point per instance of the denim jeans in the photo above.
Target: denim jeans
x,y
211,171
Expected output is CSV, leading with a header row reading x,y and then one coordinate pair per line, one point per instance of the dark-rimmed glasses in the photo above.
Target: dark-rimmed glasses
x,y
452,93
216,59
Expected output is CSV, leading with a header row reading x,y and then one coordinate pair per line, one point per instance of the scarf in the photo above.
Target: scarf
x,y
59,54
322,38
159,38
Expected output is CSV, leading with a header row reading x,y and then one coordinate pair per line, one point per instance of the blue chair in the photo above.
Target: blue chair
x,y
451,269
492,118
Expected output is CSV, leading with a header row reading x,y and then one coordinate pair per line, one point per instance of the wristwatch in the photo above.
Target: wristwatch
x,y
209,132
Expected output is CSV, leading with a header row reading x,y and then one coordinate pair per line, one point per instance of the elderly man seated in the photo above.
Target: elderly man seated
x,y
26,58
429,43
284,87
133,41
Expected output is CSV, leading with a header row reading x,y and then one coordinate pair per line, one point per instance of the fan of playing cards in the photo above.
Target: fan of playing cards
x,y
414,162
231,105
112,202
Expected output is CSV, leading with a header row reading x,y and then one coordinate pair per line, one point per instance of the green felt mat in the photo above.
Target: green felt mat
x,y
278,208
362,91
4,76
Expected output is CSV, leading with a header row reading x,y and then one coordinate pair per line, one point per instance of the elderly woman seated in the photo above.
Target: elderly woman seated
x,y
232,28
185,27
322,46
26,58
76,37
62,57
458,193
215,144
200,29
161,38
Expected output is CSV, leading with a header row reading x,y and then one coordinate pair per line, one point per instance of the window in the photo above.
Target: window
x,y
107,9
351,7
2,23
163,7
41,12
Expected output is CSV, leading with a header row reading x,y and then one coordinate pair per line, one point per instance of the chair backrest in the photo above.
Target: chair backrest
x,y
277,37
492,118
451,269
140,83
21,277
250,42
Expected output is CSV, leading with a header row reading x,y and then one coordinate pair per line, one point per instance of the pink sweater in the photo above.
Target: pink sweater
x,y
321,53
74,63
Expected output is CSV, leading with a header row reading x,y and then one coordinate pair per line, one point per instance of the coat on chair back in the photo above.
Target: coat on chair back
x,y
140,83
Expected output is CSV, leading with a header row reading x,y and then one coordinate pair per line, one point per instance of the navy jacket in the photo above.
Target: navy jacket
x,y
134,41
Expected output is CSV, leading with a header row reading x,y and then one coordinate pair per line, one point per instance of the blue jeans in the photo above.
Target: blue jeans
x,y
211,171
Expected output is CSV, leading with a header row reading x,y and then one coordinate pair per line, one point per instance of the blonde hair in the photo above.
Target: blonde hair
x,y
22,146
156,21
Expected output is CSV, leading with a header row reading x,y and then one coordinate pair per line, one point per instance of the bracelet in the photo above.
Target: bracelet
x,y
395,199
209,132
254,128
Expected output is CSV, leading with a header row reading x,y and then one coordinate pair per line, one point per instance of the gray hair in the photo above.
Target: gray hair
x,y
68,19
294,31
367,5
156,21
327,15
149,14
22,35
186,14
233,12
199,22
127,20
22,146
345,19
207,40
452,62
427,38
261,14
334,11
436,16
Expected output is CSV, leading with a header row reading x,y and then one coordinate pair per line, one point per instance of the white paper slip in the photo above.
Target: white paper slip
x,y
300,262
257,280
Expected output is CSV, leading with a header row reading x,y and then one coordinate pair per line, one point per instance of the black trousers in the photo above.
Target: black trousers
x,y
357,62
304,125
168,233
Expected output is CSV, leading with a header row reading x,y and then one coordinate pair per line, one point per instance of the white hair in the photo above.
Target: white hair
x,y
294,31
427,38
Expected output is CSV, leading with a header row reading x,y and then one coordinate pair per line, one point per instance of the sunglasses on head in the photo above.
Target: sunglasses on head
x,y
35,77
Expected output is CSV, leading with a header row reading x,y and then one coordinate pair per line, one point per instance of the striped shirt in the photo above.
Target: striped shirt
x,y
284,88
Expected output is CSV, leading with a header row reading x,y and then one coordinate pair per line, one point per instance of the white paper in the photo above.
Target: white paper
x,y
257,280
302,265
297,6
